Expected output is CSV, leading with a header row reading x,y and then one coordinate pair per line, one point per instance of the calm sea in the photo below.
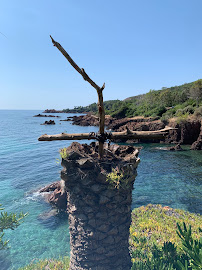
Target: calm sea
x,y
168,178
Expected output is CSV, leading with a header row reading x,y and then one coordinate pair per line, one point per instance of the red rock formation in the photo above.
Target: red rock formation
x,y
197,145
187,132
57,196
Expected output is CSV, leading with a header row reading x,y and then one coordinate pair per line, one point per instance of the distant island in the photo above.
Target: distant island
x,y
53,111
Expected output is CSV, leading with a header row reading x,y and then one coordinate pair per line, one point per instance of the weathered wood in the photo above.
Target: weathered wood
x,y
99,90
126,135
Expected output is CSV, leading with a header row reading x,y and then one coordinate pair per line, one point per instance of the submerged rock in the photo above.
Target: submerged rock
x,y
197,145
49,214
175,148
55,195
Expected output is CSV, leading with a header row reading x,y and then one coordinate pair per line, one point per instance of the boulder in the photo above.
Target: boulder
x,y
50,122
175,148
187,132
197,145
56,195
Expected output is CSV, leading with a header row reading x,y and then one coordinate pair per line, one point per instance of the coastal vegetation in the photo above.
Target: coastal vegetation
x,y
177,101
160,238
49,264
8,221
118,179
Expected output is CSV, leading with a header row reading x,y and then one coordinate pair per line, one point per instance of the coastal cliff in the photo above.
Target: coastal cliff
x,y
187,131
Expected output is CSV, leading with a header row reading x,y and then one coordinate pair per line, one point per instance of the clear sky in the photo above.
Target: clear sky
x,y
133,46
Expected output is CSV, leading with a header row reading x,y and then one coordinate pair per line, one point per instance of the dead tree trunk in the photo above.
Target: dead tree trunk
x,y
125,135
99,90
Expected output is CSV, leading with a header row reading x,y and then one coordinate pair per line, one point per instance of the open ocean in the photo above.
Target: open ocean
x,y
164,177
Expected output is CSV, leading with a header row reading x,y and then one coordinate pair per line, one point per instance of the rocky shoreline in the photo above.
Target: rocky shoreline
x,y
54,195
187,132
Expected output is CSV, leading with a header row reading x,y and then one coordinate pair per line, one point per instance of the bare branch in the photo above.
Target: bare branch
x,y
71,61
103,87
85,76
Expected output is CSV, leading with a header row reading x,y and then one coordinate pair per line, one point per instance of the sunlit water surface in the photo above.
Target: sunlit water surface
x,y
165,177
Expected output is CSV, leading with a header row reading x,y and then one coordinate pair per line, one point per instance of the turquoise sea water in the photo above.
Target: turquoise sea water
x,y
168,178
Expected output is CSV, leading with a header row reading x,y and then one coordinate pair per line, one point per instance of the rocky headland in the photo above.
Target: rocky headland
x,y
186,131
53,111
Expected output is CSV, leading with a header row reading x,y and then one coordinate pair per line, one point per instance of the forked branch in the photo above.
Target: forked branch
x,y
85,76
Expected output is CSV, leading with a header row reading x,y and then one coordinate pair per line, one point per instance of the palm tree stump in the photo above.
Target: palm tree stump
x,y
99,196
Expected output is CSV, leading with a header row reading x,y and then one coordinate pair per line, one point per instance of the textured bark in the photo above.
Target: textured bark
x,y
99,210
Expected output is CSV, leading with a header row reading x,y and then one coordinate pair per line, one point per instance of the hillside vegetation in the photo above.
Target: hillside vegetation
x,y
177,101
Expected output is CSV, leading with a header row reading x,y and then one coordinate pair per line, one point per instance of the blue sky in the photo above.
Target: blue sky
x,y
133,46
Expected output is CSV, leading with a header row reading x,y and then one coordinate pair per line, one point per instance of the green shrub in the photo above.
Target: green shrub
x,y
182,118
118,179
169,114
63,153
188,109
157,224
48,264
198,112
154,243
168,257
120,113
192,248
8,221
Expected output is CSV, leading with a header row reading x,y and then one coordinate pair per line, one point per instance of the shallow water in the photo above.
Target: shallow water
x,y
165,177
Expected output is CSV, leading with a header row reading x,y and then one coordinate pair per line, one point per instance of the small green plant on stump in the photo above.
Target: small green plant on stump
x,y
63,153
114,178
118,178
